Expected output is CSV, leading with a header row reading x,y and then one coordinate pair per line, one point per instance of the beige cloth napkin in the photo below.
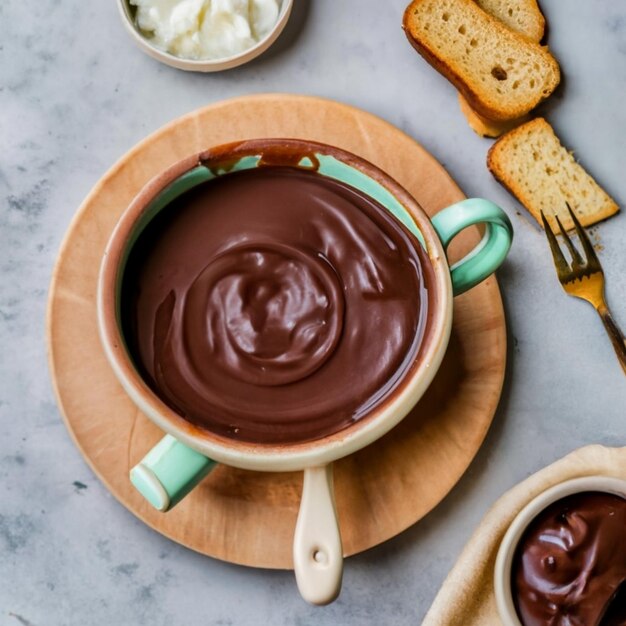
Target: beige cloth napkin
x,y
466,597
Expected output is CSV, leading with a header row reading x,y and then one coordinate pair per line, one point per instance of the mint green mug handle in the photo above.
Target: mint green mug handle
x,y
169,472
488,255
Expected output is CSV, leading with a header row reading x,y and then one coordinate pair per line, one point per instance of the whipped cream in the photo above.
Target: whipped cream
x,y
206,29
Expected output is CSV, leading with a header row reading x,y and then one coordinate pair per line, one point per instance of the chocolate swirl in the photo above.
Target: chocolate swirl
x,y
271,314
275,305
571,562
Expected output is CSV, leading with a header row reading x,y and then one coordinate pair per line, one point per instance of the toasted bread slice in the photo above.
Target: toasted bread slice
x,y
485,127
502,74
522,16
531,162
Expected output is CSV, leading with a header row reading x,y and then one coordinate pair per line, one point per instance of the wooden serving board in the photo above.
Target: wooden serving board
x,y
248,517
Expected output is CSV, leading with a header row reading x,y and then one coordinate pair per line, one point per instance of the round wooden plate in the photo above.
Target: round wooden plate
x,y
248,517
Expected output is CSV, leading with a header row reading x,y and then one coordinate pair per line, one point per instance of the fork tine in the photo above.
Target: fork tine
x,y
577,260
560,263
590,253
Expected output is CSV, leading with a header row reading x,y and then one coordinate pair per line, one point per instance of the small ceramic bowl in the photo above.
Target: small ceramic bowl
x,y
506,553
203,65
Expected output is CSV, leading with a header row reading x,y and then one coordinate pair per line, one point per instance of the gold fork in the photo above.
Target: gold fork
x,y
583,278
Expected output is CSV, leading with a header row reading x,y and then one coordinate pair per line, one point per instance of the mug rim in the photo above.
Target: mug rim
x,y
508,545
279,456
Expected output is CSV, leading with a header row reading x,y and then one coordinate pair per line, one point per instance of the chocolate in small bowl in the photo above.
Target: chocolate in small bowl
x,y
571,561
563,560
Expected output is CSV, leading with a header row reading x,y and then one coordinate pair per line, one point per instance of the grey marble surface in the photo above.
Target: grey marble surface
x,y
75,94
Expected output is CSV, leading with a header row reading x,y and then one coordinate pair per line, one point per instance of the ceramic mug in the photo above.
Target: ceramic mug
x,y
506,552
187,453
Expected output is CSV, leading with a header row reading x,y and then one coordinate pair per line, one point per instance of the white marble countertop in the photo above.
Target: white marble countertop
x,y
75,94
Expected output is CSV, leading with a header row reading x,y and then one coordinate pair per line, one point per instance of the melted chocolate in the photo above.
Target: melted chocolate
x,y
275,305
616,615
570,564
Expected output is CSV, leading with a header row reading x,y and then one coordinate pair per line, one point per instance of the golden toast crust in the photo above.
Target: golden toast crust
x,y
476,100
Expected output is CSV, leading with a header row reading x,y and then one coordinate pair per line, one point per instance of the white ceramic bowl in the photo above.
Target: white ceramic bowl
x,y
204,65
506,553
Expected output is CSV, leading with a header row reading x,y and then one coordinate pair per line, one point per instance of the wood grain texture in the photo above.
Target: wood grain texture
x,y
249,517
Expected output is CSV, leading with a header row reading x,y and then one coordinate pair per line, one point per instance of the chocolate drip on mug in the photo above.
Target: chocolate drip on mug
x,y
275,305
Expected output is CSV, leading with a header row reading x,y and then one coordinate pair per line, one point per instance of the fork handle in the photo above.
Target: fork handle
x,y
615,334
